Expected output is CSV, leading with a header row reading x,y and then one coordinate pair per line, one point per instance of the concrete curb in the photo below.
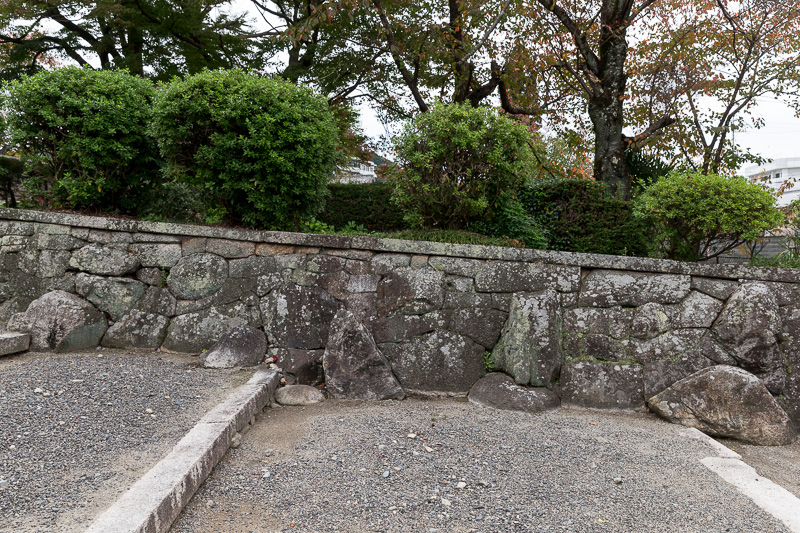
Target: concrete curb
x,y
768,495
153,502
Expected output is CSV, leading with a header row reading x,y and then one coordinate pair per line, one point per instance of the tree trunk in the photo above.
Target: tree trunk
x,y
609,148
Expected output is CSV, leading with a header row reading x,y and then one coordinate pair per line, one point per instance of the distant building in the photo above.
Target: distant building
x,y
777,173
356,172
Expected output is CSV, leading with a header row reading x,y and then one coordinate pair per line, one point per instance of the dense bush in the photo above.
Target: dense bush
x,y
82,134
264,148
455,161
511,220
578,216
11,171
367,205
696,216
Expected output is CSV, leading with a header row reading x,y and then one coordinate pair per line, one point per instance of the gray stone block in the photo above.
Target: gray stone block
x,y
195,332
157,255
499,391
196,276
252,266
482,325
14,343
607,288
230,249
697,310
298,317
109,260
137,330
411,291
504,276
612,321
382,264
716,288
602,385
304,366
239,347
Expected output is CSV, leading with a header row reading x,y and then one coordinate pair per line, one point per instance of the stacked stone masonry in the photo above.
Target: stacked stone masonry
x,y
599,331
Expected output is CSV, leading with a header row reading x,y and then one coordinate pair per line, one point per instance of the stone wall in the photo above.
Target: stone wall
x,y
600,331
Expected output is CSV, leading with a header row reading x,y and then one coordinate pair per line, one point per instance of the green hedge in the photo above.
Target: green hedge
x,y
367,205
578,216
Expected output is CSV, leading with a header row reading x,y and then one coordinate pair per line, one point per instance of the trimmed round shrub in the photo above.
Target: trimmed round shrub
x,y
455,162
367,204
263,147
696,216
578,216
83,137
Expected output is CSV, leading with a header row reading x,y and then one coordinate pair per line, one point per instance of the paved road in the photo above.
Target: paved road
x,y
354,467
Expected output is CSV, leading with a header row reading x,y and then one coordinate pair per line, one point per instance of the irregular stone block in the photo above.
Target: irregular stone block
x,y
481,324
323,263
720,289
233,290
10,227
363,305
267,250
604,348
411,291
155,277
530,344
159,301
612,321
457,266
607,288
110,260
774,380
382,264
353,266
304,365
499,391
506,276
137,330
697,310
158,255
710,348
441,362
290,261
749,327
196,276
726,401
454,300
602,385
659,375
251,267
666,346
335,283
459,284
650,320
14,343
230,249
398,328
195,245
115,296
195,332
240,346
298,395
267,283
60,322
156,238
363,282
792,397
785,293
46,241
298,317
354,367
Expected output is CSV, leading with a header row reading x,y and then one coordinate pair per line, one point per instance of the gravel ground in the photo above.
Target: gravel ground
x,y
354,467
76,430
780,464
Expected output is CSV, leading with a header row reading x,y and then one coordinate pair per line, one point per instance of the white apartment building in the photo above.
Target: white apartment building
x,y
777,173
356,171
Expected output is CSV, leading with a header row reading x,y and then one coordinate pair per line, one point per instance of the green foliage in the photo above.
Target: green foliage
x,y
577,216
487,362
455,161
11,170
368,205
697,216
264,148
450,236
83,136
645,169
511,220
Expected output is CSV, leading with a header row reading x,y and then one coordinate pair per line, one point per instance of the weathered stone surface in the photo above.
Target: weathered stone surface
x,y
354,266
266,283
363,305
110,260
13,227
157,255
230,249
156,238
196,245
363,283
697,310
455,300
441,362
14,342
456,265
322,263
666,346
726,401
530,345
602,385
602,347
792,397
252,266
267,250
506,276
607,288
43,263
46,241
650,320
411,291
785,293
399,328
61,322
711,348
156,277
481,324
303,366
749,327
233,290
720,289
612,321
335,283
498,390
196,276
774,380
137,330
382,264
195,332
298,317
159,301
115,296
298,395
660,375
354,367
240,346
459,284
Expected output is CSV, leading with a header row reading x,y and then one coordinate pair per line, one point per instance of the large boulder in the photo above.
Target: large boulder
x,y
498,390
115,296
241,346
195,332
726,401
529,348
60,322
354,366
749,327
298,317
137,330
196,276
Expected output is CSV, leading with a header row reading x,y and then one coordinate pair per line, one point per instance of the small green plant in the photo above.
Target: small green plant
x,y
696,216
455,162
487,361
164,276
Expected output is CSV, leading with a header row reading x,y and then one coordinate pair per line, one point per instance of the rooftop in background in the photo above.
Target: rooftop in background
x,y
356,171
777,173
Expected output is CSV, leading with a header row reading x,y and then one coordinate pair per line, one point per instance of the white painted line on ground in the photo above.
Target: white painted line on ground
x,y
153,502
770,496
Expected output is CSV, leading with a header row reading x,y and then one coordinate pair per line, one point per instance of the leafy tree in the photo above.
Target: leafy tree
x,y
699,216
